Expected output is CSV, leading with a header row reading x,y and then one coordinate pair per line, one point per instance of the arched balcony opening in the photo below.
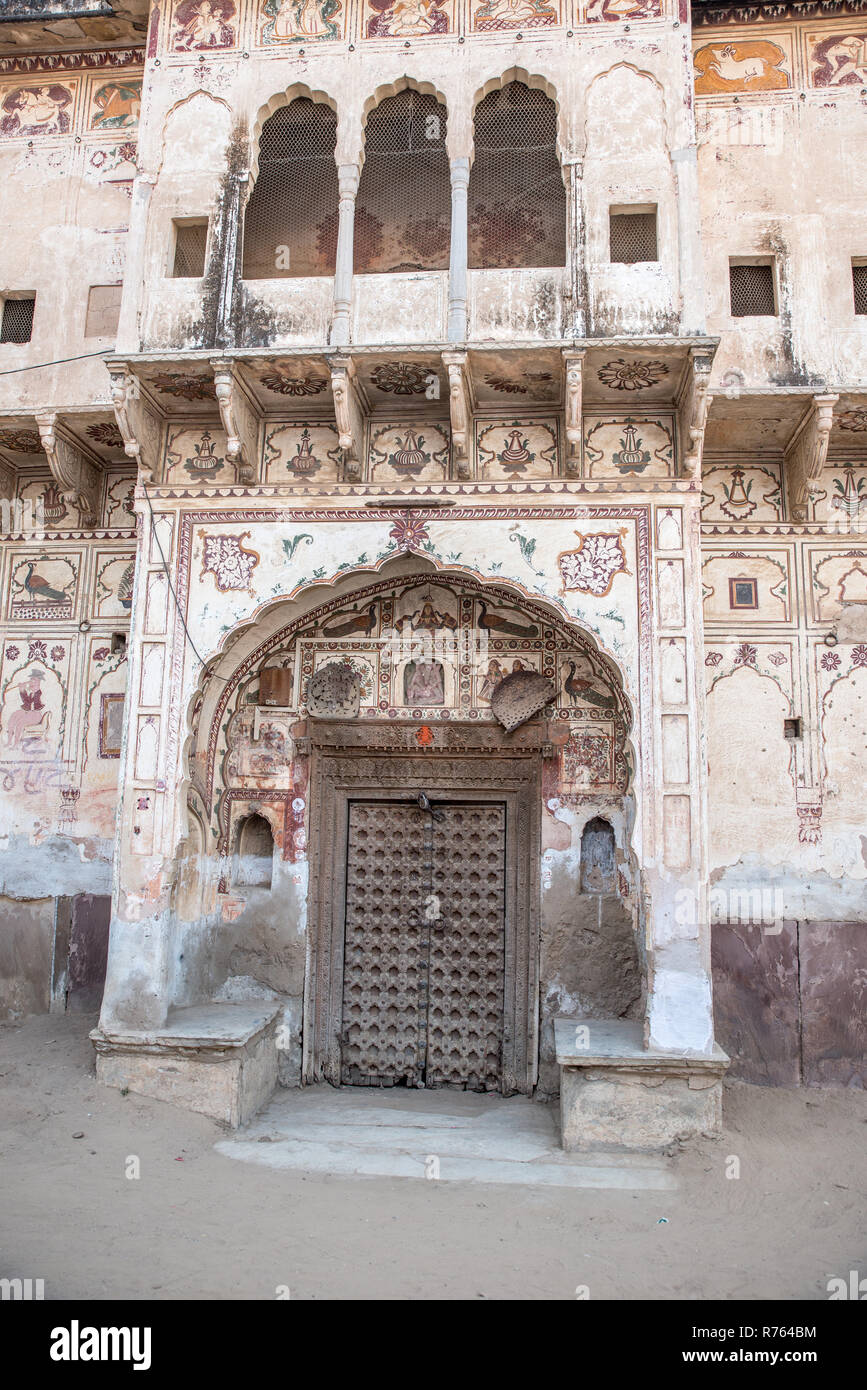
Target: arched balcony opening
x,y
403,210
290,224
517,198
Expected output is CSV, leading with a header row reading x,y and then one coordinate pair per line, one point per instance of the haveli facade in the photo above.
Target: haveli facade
x,y
358,357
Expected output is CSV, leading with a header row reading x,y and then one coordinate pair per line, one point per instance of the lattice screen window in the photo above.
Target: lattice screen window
x,y
403,211
859,287
191,240
103,311
290,225
517,199
752,291
17,324
632,236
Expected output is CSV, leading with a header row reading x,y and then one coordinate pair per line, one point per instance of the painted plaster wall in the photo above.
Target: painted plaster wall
x,y
780,124
64,597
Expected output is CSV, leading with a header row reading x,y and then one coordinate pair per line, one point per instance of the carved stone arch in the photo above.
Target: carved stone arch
x,y
640,73
274,103
529,79
277,622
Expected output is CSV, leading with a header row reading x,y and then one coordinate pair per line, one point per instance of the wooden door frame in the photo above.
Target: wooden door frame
x,y
470,764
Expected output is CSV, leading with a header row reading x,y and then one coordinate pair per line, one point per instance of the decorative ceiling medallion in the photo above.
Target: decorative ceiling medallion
x,y
521,387
106,434
401,378
853,420
190,388
621,375
20,441
282,384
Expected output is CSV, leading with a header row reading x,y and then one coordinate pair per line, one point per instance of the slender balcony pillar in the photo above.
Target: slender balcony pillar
x,y
347,175
460,175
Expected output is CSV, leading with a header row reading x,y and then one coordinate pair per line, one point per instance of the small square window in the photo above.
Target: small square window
x,y
17,324
191,241
743,593
103,311
632,235
752,290
859,287
792,728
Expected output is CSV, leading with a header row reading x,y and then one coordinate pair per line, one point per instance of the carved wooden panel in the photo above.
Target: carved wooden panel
x,y
424,948
465,1012
475,782
385,972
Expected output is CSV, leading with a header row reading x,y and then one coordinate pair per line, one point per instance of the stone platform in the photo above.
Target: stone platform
x,y
219,1059
615,1093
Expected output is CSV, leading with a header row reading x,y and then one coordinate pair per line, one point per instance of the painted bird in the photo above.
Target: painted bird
x,y
359,622
502,625
39,588
579,689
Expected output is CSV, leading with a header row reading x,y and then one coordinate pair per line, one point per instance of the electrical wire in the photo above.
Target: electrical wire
x,y
58,362
210,675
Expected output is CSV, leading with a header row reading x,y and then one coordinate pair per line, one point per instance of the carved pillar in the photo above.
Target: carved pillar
x,y
239,422
576,250
226,244
574,363
460,176
693,403
461,411
139,426
75,474
806,453
347,175
347,415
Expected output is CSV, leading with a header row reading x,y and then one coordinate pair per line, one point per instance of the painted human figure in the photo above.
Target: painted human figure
x,y
411,17
514,11
204,29
40,109
493,676
32,711
307,23
847,60
426,684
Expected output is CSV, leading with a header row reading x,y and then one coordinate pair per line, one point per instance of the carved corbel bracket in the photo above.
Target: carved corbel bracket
x,y
347,414
239,421
461,411
574,365
138,428
806,453
693,403
74,473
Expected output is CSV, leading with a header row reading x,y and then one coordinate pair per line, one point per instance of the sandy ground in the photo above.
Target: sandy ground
x,y
197,1224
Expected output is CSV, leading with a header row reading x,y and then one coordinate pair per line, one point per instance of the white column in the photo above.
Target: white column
x,y
460,176
347,175
690,261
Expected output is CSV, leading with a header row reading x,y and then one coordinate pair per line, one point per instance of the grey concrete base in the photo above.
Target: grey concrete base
x,y
437,1135
614,1093
218,1059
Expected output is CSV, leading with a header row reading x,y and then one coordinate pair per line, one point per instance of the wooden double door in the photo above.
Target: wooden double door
x,y
424,944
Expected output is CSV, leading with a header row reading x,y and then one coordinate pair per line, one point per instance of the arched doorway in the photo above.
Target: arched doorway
x,y
415,837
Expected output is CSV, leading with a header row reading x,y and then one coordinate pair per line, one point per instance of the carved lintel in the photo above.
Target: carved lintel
x,y
806,453
574,365
239,421
138,429
461,411
74,473
347,414
693,403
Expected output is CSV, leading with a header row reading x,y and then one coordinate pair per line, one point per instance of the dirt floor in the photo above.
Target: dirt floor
x,y
197,1224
